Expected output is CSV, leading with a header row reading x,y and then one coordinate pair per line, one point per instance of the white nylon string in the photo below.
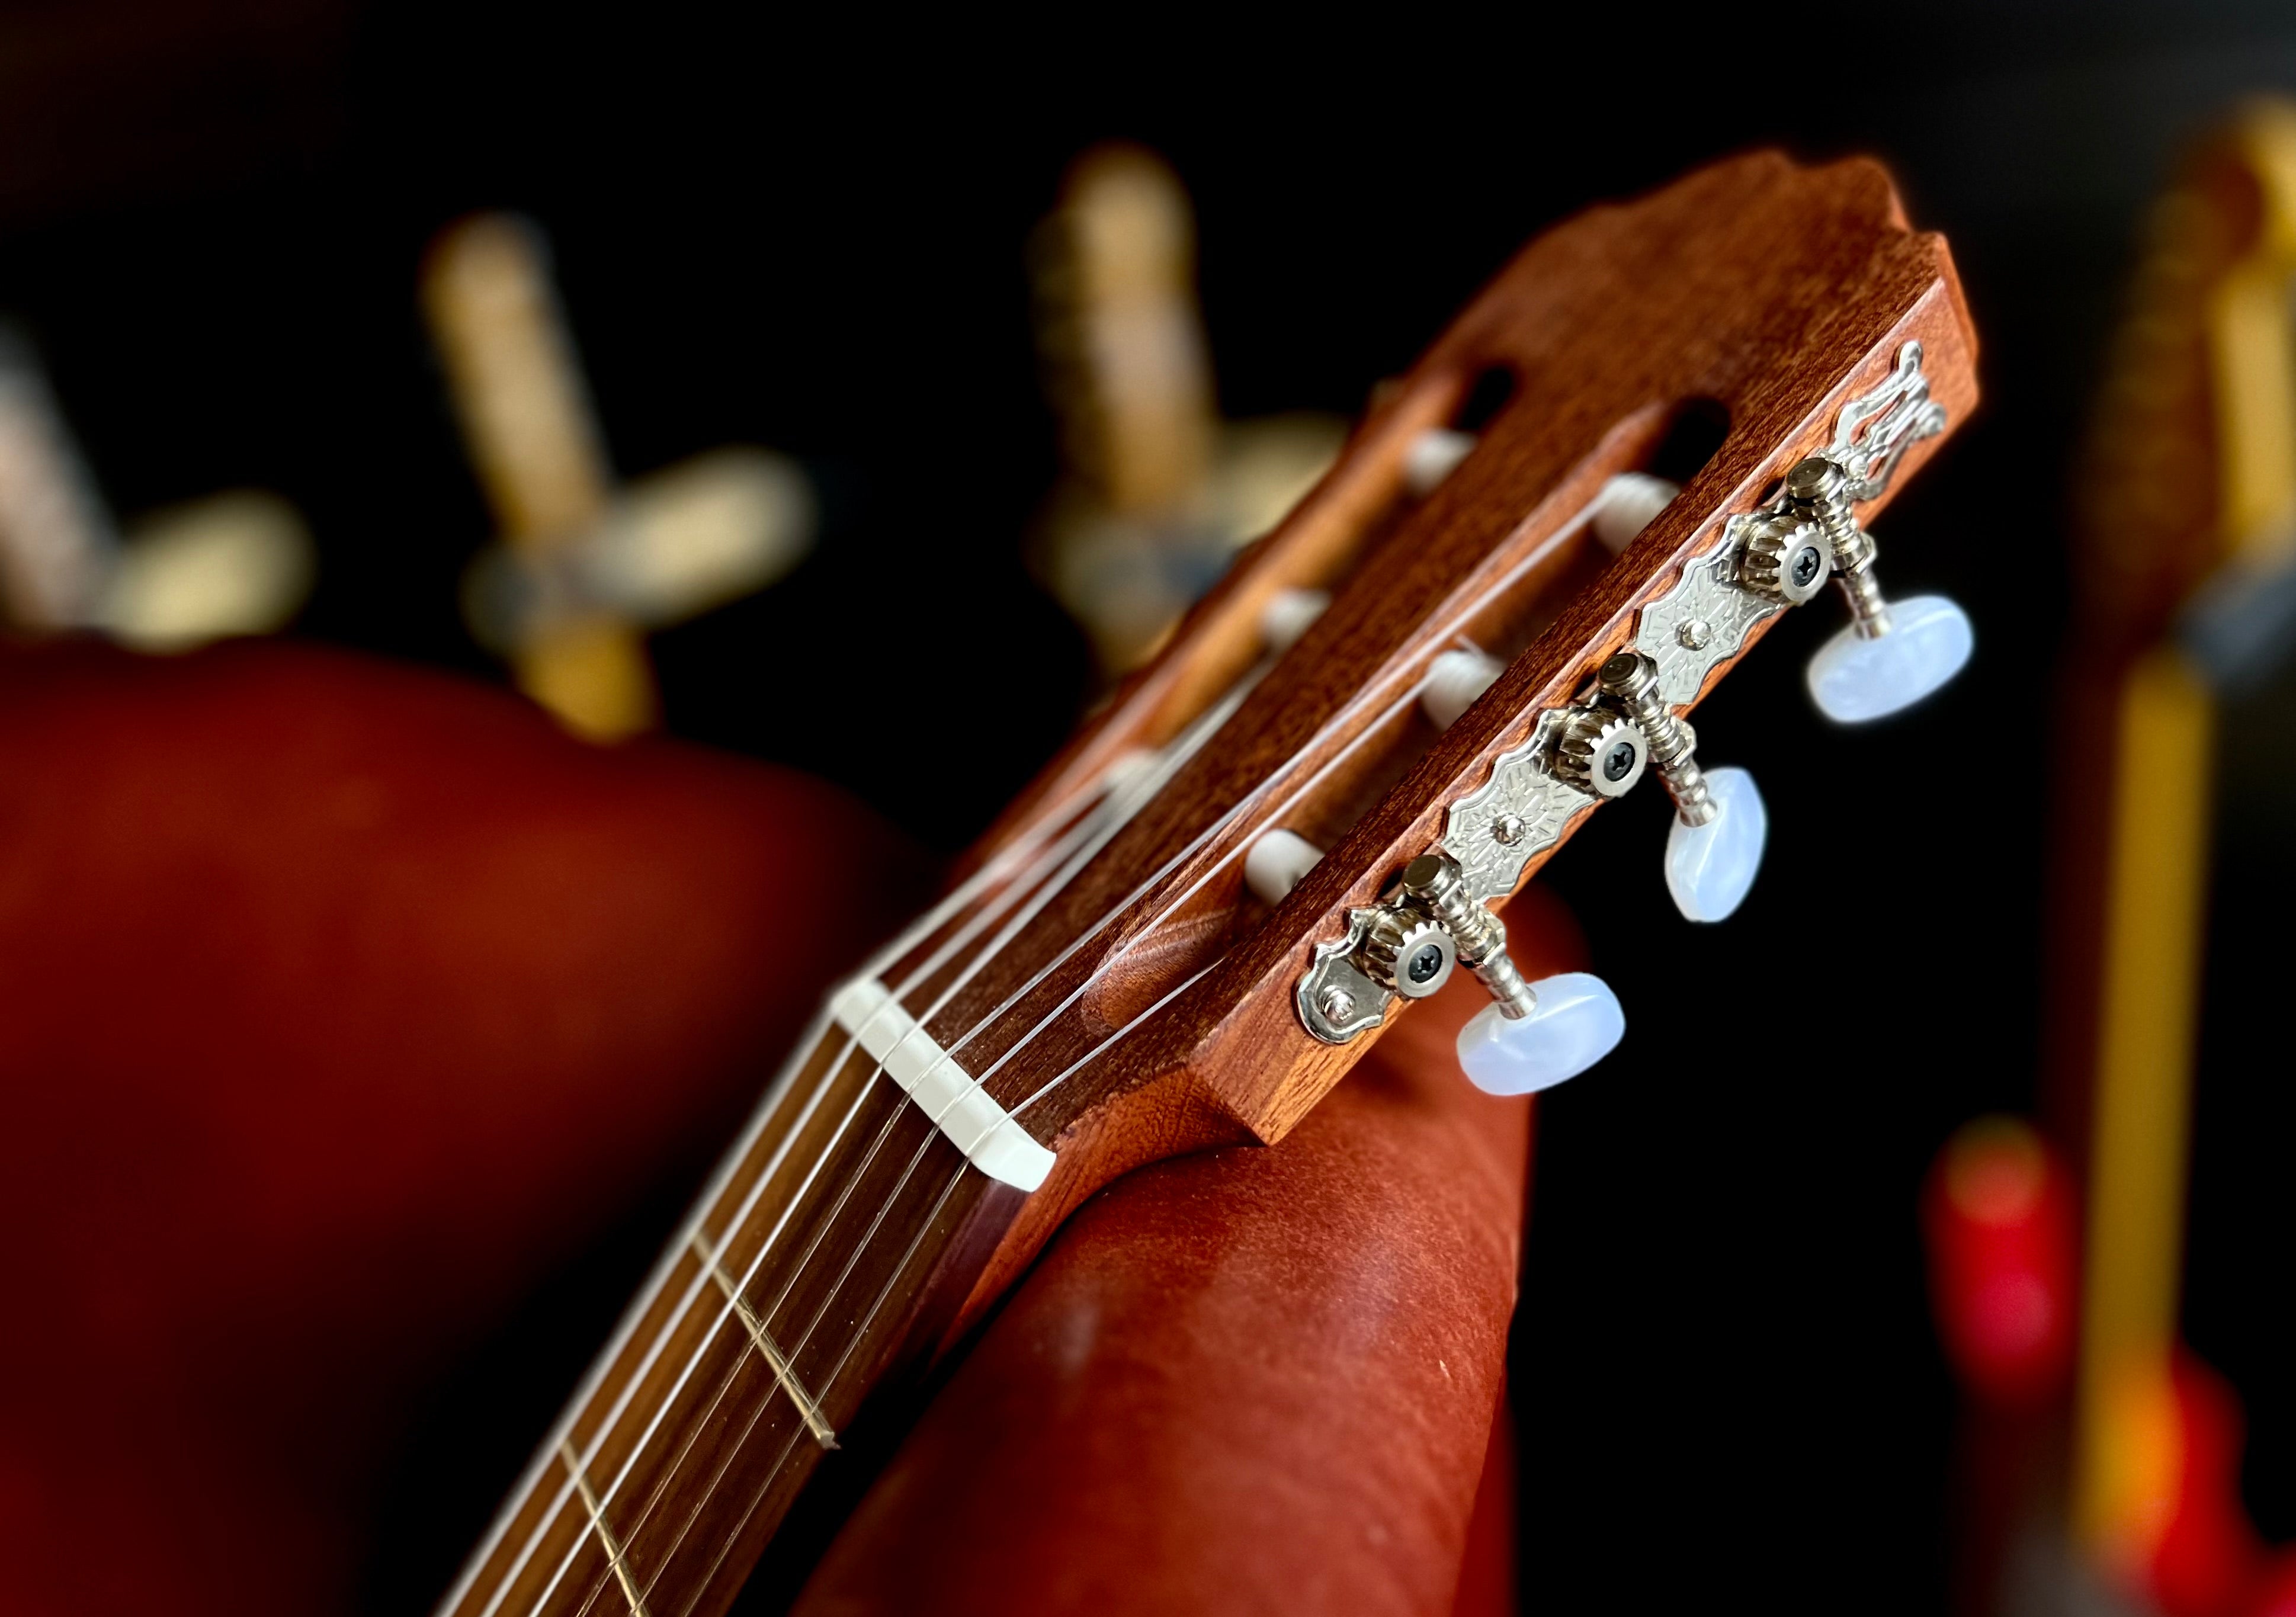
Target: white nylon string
x,y
1398,705
1144,790
1093,830
547,1455
967,892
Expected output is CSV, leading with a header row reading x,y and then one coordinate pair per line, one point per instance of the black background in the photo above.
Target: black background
x,y
808,232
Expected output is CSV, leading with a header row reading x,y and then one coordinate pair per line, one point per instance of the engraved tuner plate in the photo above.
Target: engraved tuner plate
x,y
1520,812
1873,430
1702,621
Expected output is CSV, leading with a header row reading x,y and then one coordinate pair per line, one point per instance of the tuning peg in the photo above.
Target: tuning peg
x,y
1573,1021
1276,863
1533,1035
1288,615
1888,658
1714,849
1626,505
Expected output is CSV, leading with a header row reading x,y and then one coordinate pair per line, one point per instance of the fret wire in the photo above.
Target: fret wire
x,y
626,1330
614,1561
858,1335
807,1406
828,1382
734,1450
667,1402
695,1427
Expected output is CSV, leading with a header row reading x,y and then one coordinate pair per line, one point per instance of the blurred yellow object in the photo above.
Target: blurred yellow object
x,y
2189,498
585,570
1158,491
532,440
235,563
2141,1123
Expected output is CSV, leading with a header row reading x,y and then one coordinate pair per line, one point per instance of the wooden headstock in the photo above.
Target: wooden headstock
x,y
1757,294
1105,986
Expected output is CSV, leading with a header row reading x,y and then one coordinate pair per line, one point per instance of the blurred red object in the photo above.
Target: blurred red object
x,y
2208,1561
1997,1215
344,1002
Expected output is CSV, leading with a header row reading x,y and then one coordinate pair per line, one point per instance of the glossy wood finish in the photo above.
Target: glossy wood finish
x,y
1131,1001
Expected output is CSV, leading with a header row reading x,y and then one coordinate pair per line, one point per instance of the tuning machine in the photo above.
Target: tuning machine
x,y
1531,1037
1887,657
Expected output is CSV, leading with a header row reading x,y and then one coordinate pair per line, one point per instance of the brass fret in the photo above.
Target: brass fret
x,y
598,1524
773,1356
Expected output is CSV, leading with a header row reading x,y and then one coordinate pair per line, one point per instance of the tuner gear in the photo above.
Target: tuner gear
x,y
1787,561
1406,953
1600,751
1817,491
1630,681
1434,883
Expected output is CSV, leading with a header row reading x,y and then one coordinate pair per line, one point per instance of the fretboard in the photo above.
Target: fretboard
x,y
833,1244
796,1286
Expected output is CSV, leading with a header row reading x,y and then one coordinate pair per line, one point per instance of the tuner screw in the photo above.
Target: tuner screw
x,y
1787,561
1630,680
1406,953
1336,1003
1600,751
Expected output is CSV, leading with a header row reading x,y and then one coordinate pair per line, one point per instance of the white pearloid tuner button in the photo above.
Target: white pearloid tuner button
x,y
1573,1022
1533,1035
1888,657
1714,849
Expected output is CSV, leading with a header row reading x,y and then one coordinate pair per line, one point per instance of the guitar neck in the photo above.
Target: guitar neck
x,y
842,1235
840,1231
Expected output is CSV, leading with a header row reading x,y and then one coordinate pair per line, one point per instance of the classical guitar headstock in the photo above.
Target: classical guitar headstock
x,y
1404,698
1297,818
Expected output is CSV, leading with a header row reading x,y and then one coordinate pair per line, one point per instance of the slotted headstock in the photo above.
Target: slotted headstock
x,y
1150,1001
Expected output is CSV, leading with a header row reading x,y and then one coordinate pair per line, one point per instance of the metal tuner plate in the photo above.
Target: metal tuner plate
x,y
1518,812
1336,1001
1702,621
1873,430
